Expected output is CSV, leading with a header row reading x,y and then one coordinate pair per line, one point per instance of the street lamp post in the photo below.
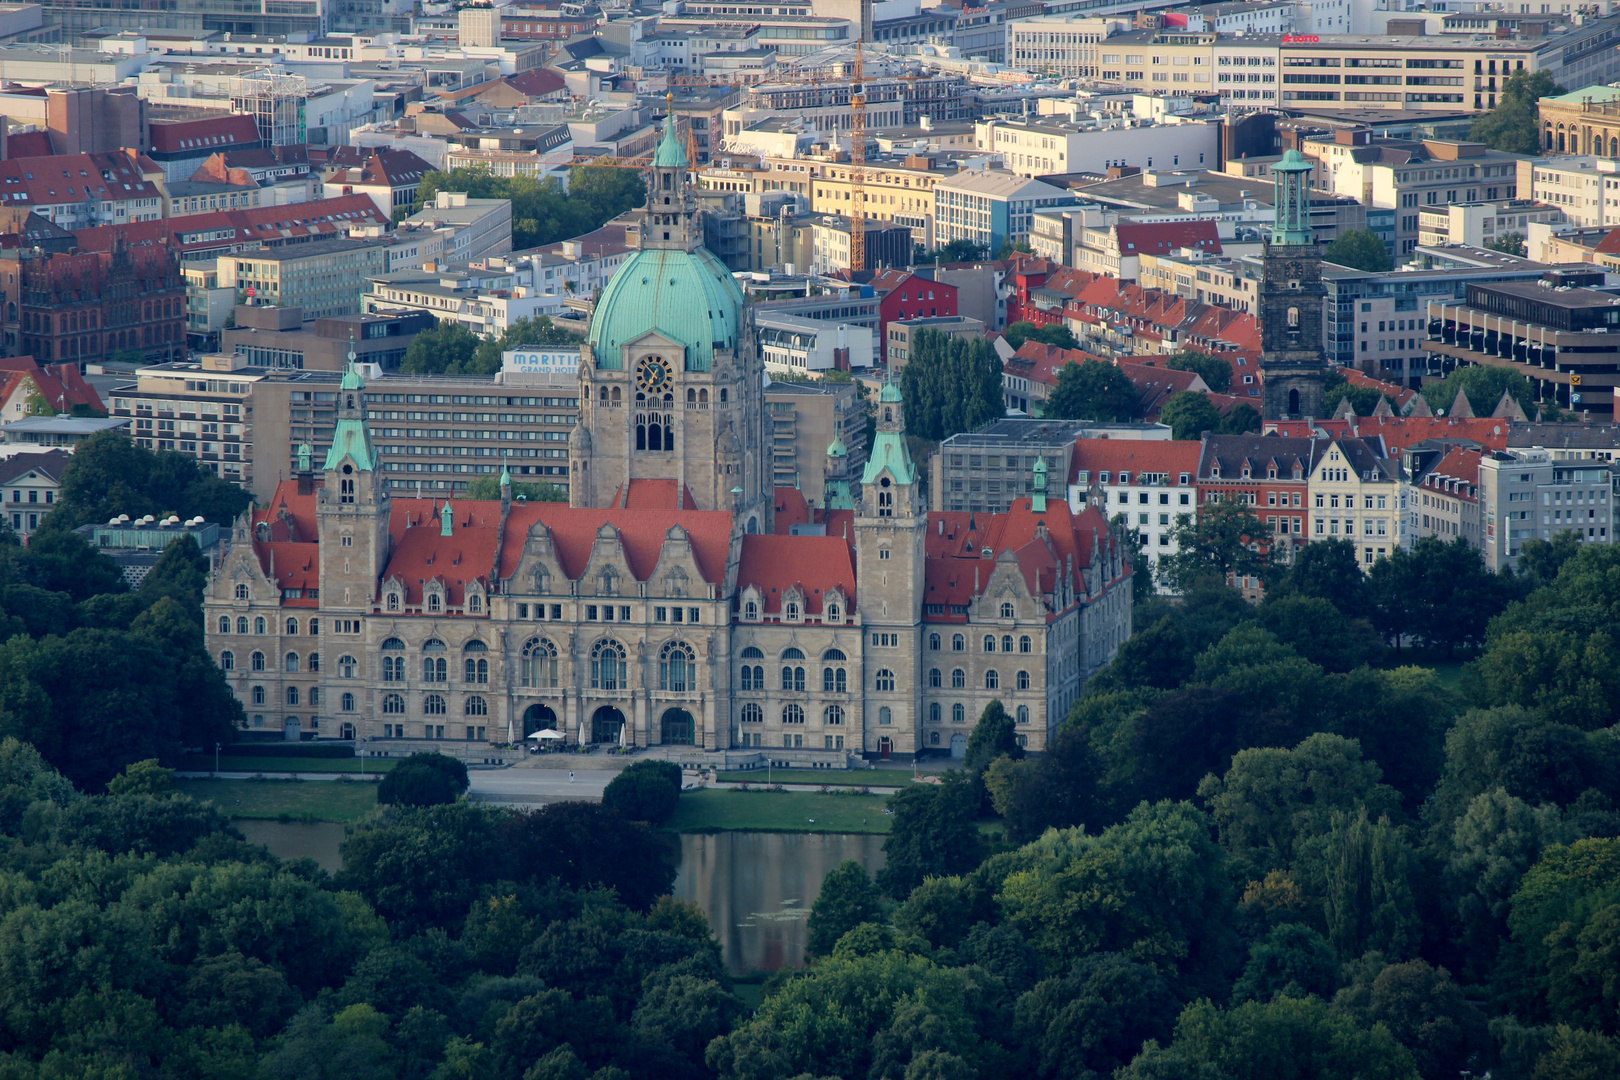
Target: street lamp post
x,y
216,759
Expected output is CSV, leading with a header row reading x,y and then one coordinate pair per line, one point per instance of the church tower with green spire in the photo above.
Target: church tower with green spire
x,y
835,489
352,507
1289,305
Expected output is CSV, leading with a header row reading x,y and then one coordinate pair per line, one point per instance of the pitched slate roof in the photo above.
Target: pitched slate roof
x,y
1165,238
51,464
59,384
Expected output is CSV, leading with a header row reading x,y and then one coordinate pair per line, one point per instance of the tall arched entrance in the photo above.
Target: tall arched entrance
x,y
606,725
677,728
539,718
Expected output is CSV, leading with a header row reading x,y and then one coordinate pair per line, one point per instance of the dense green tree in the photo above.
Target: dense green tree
x,y
847,899
1368,899
181,574
1511,243
1317,631
1093,390
1513,125
489,487
1057,790
446,349
1094,1019
1216,372
1243,419
544,211
1359,249
1573,1054
1190,414
1327,570
646,791
951,384
539,331
995,735
1485,385
1291,961
1272,801
960,250
426,779
1222,540
109,475
1541,560
934,833
1423,1008
1561,961
1055,334
1283,1039
1439,594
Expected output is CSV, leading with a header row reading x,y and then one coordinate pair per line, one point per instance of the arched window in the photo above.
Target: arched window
x,y
241,625
292,695
227,660
884,715
992,679
933,642
833,681
958,643
833,614
676,672
792,676
475,603
1023,714
792,714
884,680
934,677
348,703
434,668
607,666
539,664
258,695
224,624
834,655
393,601
1024,643
753,714
1006,643
1023,680
476,706
257,661
958,713
290,662
790,653
348,667
750,610
393,704
241,592
989,643
1006,611
752,653
475,669
433,603
832,714
259,626
958,679
790,611
433,705
292,626
933,712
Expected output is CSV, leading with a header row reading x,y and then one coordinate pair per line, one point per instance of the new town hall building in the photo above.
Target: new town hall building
x,y
679,598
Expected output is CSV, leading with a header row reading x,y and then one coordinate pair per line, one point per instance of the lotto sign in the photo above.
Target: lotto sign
x,y
541,361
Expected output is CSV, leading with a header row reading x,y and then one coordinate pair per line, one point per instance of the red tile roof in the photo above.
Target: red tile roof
x,y
59,384
396,168
29,144
537,82
655,495
191,137
66,178
1135,456
227,230
1457,475
791,510
1040,362
1400,395
1157,385
816,564
1399,432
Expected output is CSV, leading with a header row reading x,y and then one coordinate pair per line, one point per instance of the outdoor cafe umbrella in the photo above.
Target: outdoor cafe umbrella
x,y
547,734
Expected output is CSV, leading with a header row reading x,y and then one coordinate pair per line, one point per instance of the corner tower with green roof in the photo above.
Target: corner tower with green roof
x,y
671,382
890,573
351,507
1289,305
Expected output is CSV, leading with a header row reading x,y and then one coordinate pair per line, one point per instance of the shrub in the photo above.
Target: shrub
x,y
646,791
423,780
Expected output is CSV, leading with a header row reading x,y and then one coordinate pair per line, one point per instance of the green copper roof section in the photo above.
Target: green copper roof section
x,y
837,448
671,154
506,477
838,496
351,380
350,438
1037,499
889,452
689,297
890,392
1293,202
447,520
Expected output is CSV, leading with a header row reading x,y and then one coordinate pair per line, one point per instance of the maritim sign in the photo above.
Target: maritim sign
x,y
541,361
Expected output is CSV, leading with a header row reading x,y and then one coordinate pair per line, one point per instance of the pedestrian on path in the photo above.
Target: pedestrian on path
x,y
570,776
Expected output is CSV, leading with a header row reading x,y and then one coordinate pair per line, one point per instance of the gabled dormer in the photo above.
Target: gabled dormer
x,y
394,593
750,604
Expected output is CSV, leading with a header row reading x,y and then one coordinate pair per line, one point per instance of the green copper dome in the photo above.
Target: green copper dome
x,y
670,155
837,448
891,393
689,297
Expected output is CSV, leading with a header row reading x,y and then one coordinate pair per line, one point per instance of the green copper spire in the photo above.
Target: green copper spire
x,y
671,154
1293,202
1037,498
349,437
506,477
447,519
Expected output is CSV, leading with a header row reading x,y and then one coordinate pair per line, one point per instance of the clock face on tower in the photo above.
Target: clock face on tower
x,y
651,375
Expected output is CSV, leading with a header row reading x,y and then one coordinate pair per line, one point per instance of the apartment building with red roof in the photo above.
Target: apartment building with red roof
x,y
1116,250
226,232
1152,484
24,383
1445,501
904,295
76,191
390,178
179,147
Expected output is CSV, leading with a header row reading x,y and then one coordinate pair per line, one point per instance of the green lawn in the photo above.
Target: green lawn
x,y
205,763
838,778
318,800
719,809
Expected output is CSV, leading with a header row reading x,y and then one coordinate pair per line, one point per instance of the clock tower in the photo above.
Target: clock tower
x,y
1289,305
671,381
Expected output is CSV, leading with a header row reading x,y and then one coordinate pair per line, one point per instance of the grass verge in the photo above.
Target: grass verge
x,y
722,809
205,763
838,778
318,800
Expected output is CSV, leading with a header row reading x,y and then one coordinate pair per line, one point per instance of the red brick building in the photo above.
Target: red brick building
x,y
904,295
93,305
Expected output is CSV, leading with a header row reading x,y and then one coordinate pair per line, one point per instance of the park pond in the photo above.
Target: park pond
x,y
755,887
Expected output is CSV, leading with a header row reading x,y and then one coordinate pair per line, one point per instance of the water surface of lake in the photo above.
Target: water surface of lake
x,y
320,840
757,888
